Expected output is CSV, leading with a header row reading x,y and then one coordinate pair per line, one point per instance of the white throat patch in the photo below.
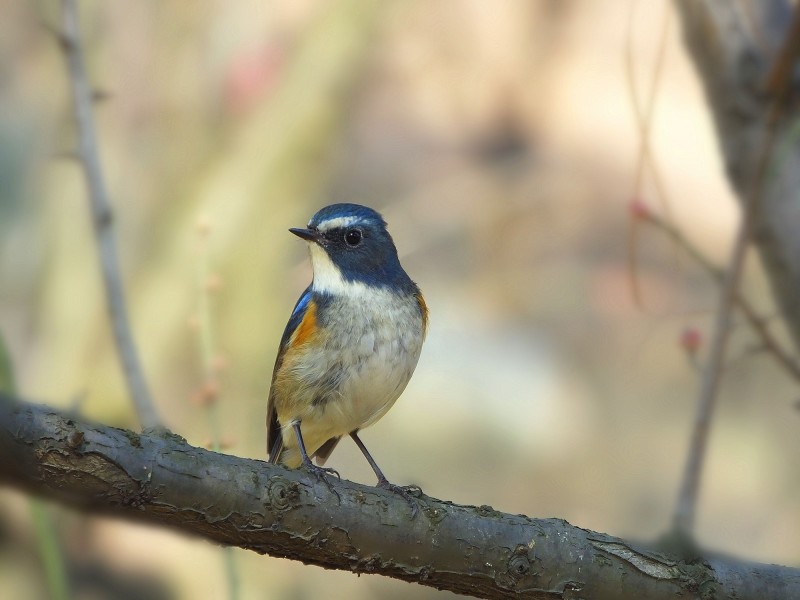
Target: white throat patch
x,y
328,277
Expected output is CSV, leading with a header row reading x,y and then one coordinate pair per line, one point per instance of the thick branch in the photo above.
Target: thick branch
x,y
159,478
743,52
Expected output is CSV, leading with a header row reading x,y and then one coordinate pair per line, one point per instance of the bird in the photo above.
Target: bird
x,y
351,344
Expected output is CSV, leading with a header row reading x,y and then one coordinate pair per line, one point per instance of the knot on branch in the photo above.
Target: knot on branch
x,y
282,494
518,568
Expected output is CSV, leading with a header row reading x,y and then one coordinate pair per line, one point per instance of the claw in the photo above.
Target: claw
x,y
321,474
409,493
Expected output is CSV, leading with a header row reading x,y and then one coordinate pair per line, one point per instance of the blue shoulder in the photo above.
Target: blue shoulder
x,y
302,303
298,312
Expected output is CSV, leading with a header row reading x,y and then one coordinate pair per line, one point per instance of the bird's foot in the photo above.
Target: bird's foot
x,y
321,474
409,493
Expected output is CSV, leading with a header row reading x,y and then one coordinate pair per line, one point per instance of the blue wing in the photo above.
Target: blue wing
x,y
298,312
302,304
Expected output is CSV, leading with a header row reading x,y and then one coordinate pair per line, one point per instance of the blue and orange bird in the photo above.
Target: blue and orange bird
x,y
351,344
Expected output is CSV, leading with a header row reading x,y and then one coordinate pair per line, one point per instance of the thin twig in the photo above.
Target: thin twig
x,y
687,497
102,218
778,85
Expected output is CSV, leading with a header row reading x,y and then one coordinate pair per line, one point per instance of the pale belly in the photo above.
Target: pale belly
x,y
353,378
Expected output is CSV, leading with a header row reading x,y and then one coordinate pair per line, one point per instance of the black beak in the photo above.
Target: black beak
x,y
312,235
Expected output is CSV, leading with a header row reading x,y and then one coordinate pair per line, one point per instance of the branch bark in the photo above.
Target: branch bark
x,y
157,477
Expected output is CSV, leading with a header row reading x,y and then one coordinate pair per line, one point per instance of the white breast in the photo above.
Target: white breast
x,y
373,343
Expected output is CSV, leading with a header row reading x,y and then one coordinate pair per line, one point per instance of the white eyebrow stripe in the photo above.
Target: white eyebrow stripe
x,y
338,222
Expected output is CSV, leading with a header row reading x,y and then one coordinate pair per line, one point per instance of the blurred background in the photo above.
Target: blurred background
x,y
499,142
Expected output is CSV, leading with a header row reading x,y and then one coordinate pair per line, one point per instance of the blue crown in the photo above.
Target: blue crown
x,y
358,213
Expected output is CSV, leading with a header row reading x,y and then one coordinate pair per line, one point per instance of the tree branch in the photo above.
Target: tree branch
x,y
744,61
102,218
160,479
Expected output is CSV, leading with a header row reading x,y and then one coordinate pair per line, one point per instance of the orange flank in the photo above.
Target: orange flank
x,y
308,326
424,309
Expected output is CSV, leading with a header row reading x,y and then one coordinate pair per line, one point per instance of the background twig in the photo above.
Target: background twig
x,y
102,218
757,322
686,508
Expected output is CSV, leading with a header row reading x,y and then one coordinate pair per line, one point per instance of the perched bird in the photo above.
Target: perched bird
x,y
351,344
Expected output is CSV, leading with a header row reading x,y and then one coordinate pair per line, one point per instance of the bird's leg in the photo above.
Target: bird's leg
x,y
408,492
316,470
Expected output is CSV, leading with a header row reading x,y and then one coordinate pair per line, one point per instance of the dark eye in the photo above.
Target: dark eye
x,y
353,237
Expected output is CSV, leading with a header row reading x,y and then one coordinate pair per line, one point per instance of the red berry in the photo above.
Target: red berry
x,y
639,209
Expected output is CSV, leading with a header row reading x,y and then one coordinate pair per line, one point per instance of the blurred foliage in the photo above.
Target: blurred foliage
x,y
50,551
499,143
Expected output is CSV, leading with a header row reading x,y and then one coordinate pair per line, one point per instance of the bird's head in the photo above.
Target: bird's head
x,y
351,248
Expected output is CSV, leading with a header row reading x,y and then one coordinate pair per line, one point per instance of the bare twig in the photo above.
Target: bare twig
x,y
754,319
686,508
102,217
687,497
